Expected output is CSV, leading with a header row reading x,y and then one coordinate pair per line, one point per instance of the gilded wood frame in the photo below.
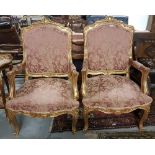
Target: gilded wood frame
x,y
72,75
107,21
85,72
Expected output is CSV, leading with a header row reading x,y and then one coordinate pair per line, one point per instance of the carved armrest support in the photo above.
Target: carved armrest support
x,y
84,77
11,79
74,79
145,72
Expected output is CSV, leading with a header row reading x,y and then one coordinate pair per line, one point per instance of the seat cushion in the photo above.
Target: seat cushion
x,y
114,92
45,95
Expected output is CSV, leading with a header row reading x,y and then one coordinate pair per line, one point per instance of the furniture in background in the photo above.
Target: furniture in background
x,y
28,20
106,86
151,23
93,18
50,88
10,43
5,62
5,22
144,52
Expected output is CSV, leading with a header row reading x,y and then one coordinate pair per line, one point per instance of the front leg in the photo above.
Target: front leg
x,y
85,115
12,120
75,115
143,118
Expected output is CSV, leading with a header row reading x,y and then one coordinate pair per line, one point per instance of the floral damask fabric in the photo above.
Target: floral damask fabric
x,y
46,49
108,48
44,95
114,92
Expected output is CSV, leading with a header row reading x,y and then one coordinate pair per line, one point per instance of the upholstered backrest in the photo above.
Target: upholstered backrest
x,y
47,48
108,45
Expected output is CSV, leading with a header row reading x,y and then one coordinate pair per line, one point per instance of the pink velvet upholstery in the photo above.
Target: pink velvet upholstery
x,y
114,92
108,48
44,95
47,49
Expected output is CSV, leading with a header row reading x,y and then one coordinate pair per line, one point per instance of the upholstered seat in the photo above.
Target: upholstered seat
x,y
45,95
114,92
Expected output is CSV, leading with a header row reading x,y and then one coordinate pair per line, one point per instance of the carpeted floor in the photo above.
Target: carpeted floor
x,y
100,121
126,135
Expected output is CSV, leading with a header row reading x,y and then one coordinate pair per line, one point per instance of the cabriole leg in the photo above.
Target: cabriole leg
x,y
12,120
75,115
143,118
85,115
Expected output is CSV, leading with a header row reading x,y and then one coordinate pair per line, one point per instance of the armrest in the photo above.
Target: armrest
x,y
145,72
74,79
84,77
11,78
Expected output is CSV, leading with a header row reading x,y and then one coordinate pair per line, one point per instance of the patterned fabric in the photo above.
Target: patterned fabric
x,y
47,49
44,95
108,48
114,92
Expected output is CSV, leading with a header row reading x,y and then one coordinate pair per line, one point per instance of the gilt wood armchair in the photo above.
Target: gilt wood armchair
x,y
50,87
106,86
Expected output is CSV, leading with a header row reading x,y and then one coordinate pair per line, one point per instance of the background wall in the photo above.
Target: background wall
x,y
138,21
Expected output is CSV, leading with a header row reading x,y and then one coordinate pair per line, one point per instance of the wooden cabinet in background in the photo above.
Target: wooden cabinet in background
x,y
144,52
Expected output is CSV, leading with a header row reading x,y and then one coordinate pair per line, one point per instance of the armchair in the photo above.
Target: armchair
x,y
106,86
50,87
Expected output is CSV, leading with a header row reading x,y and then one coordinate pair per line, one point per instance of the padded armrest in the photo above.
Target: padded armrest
x,y
11,78
145,72
139,66
74,79
84,77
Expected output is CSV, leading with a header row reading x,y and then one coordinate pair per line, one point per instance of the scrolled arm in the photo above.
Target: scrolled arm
x,y
145,72
84,77
74,79
11,79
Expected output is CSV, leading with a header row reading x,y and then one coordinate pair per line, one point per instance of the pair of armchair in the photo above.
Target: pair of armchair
x,y
51,78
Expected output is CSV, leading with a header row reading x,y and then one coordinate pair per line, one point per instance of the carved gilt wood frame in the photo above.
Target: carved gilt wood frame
x,y
72,75
107,21
86,71
59,27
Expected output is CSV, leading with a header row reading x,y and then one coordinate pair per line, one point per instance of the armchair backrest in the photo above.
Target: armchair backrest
x,y
47,48
108,45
